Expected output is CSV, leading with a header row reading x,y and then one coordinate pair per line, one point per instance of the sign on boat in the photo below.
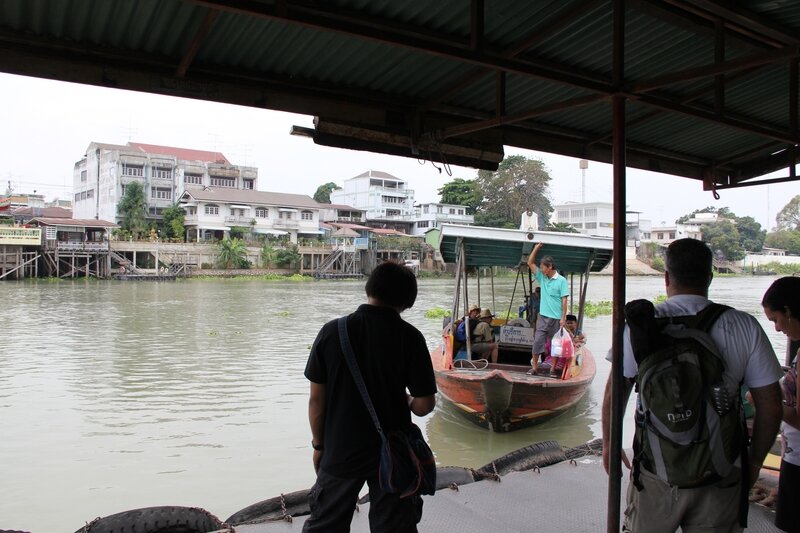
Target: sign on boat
x,y
506,395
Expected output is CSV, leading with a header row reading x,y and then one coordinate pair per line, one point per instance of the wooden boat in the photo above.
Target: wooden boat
x,y
505,396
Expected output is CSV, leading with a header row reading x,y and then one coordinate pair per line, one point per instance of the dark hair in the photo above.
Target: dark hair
x,y
548,260
571,318
393,285
784,293
689,263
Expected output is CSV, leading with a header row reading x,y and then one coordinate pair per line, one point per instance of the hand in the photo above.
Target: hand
x,y
606,453
317,458
537,247
562,322
755,471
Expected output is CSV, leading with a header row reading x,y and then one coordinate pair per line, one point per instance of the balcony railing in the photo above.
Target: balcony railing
x,y
236,219
21,236
82,246
284,223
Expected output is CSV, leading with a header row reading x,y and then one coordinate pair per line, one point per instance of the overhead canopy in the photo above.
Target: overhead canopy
x,y
484,247
711,86
265,231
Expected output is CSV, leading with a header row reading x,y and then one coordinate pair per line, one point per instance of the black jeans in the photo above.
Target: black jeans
x,y
333,500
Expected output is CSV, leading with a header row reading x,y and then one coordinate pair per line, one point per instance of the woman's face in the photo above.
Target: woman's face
x,y
784,322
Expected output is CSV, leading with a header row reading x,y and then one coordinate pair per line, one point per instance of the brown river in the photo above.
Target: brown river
x,y
118,395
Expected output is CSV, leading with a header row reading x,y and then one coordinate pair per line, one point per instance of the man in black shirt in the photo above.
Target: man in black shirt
x,y
393,357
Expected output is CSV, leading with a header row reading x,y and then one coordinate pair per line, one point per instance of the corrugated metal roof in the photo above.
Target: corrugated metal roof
x,y
438,80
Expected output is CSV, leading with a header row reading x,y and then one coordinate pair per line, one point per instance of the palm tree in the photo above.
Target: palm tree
x,y
232,254
267,255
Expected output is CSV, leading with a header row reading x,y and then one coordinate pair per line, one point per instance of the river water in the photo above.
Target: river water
x,y
118,395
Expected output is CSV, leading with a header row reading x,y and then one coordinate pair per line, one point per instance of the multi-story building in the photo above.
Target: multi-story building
x,y
388,203
165,172
433,215
591,218
386,199
211,212
341,213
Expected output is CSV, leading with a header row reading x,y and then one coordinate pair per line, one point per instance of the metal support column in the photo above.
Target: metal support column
x,y
618,160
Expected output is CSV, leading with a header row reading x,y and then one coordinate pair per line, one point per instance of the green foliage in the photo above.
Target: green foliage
x,y
595,309
785,240
232,254
723,212
323,194
173,223
788,217
398,242
657,263
461,192
437,312
518,183
267,255
239,232
724,240
563,227
778,268
661,298
132,208
751,236
287,257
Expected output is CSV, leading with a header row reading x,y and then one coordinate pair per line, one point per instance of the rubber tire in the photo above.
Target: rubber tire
x,y
540,454
156,520
296,505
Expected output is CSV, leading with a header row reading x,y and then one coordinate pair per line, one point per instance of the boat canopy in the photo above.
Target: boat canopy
x,y
484,247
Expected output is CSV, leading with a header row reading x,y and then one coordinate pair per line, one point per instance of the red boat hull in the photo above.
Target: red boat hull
x,y
504,397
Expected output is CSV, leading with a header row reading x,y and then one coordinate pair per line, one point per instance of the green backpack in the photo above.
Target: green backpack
x,y
689,423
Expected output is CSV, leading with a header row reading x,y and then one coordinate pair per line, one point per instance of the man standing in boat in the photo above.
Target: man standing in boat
x,y
552,303
393,357
654,505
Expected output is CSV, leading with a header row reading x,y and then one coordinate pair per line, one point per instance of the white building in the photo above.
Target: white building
x,y
165,172
433,215
386,199
211,212
591,218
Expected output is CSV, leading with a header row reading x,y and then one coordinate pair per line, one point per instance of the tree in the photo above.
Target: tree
x,y
288,257
785,240
132,208
563,227
461,192
723,239
172,225
751,236
323,194
788,218
267,255
518,183
232,254
722,212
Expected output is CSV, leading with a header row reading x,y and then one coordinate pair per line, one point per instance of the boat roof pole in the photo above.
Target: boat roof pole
x,y
494,305
618,257
467,327
456,292
478,281
572,292
584,287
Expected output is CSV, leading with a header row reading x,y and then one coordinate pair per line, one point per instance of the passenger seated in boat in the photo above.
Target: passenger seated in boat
x,y
460,331
571,325
483,343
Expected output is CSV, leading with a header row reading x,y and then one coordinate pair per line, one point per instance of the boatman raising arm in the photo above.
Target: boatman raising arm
x,y
552,305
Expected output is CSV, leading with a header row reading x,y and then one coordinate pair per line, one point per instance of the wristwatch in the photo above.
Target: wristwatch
x,y
317,447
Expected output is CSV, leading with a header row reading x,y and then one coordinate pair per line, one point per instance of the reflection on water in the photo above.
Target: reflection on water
x,y
119,395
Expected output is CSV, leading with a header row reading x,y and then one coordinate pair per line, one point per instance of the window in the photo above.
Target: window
x,y
307,215
422,224
591,212
83,195
391,200
83,176
132,170
286,215
262,212
193,179
577,225
212,209
392,212
247,184
77,196
577,213
671,234
425,209
660,236
452,211
222,182
157,211
460,211
90,193
162,173
591,225
160,193
563,214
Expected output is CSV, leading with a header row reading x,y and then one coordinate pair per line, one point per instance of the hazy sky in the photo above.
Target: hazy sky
x,y
46,126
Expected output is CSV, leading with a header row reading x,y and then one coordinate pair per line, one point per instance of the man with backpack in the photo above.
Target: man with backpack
x,y
688,357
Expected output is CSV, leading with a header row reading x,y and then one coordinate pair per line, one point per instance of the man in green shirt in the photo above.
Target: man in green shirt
x,y
552,304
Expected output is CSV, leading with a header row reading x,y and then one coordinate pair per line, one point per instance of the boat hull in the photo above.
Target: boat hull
x,y
505,398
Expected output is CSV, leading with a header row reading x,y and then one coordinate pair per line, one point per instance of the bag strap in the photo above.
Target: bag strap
x,y
702,320
347,349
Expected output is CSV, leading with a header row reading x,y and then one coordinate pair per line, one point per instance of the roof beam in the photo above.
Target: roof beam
x,y
198,39
745,19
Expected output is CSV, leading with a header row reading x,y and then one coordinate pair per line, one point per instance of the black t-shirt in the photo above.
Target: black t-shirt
x,y
392,355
